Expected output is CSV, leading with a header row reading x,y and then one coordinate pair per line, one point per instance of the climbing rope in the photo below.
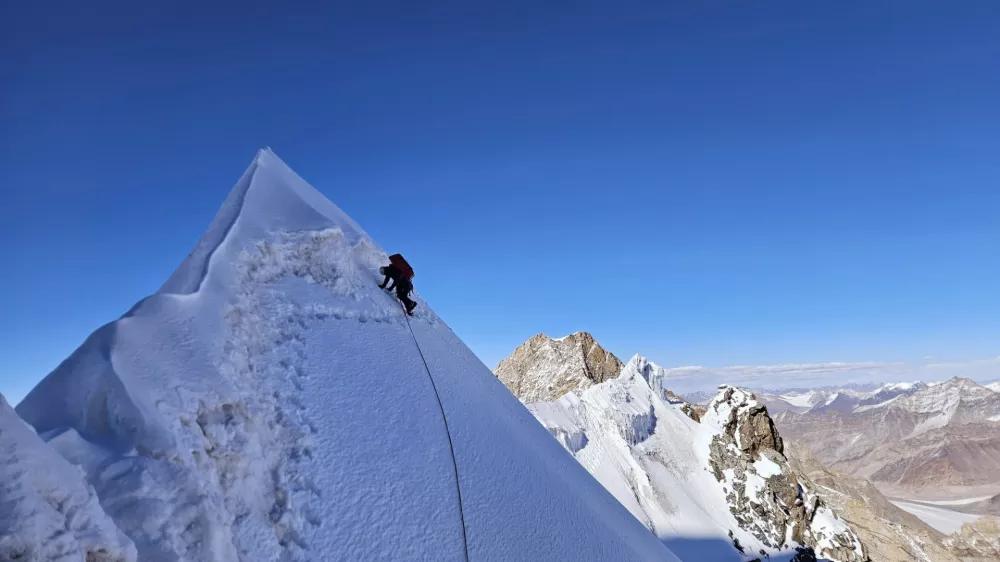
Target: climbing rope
x,y
447,430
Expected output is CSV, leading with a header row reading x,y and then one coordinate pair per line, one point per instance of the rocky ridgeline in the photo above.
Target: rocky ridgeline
x,y
544,368
765,494
978,541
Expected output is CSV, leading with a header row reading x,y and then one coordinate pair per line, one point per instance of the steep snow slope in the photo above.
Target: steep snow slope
x,y
688,479
47,510
271,403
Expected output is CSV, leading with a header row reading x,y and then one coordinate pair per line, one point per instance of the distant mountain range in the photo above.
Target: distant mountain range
x,y
840,398
913,440
657,451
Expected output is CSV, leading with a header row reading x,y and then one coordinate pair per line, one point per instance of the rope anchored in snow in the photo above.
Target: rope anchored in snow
x,y
447,430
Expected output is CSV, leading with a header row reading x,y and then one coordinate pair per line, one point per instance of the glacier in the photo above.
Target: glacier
x,y
269,402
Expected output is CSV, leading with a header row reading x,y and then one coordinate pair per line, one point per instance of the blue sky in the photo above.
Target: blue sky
x,y
714,184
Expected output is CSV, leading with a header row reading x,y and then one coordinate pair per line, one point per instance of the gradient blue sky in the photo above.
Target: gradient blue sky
x,y
708,183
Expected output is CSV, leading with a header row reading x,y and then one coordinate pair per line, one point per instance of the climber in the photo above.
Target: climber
x,y
399,273
403,288
391,275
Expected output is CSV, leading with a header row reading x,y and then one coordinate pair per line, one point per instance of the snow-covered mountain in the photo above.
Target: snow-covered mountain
x,y
841,399
699,397
544,368
269,402
916,439
718,474
889,392
994,386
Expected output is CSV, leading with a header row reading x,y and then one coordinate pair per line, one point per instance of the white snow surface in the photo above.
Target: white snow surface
x,y
801,400
270,403
47,509
655,459
994,386
945,520
962,501
896,386
766,467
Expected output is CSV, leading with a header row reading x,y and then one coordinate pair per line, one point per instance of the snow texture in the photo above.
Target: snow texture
x,y
47,510
269,402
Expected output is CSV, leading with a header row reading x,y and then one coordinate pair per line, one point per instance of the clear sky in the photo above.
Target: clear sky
x,y
707,183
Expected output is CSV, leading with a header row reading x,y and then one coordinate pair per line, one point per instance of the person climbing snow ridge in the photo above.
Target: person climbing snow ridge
x,y
399,273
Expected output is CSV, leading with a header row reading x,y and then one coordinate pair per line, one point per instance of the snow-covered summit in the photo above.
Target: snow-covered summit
x,y
269,402
723,479
955,397
543,368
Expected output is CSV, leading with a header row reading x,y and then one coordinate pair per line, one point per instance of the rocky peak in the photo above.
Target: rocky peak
x,y
744,419
766,496
544,368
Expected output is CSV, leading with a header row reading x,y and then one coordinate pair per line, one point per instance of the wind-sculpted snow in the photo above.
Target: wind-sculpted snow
x,y
271,403
47,510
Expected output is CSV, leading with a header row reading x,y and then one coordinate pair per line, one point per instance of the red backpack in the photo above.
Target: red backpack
x,y
400,263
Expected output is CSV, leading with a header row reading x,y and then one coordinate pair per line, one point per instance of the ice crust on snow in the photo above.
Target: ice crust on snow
x,y
47,509
270,403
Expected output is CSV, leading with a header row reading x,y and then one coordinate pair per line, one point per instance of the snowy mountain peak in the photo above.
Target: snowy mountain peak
x,y
724,478
543,368
650,372
270,402
947,397
268,198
